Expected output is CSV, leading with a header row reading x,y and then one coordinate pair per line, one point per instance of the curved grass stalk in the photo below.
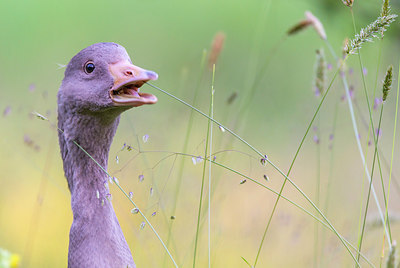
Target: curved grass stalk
x,y
388,234
170,153
209,167
186,143
291,202
393,144
370,186
292,163
331,166
269,161
208,145
356,134
327,225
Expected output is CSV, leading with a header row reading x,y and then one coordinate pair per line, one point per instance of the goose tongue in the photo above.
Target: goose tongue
x,y
133,93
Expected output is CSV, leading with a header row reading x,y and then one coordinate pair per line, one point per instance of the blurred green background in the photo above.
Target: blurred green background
x,y
169,37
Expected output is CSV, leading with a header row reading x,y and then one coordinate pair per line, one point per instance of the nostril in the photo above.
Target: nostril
x,y
129,73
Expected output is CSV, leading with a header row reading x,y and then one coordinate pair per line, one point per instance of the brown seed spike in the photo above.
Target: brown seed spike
x,y
216,48
301,25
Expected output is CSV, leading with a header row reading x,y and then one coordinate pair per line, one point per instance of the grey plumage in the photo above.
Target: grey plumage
x,y
89,107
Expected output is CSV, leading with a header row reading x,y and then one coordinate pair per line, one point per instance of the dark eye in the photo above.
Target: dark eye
x,y
89,67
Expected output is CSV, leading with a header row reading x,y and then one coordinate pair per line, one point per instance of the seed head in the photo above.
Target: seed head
x,y
263,160
38,115
391,262
310,20
348,3
316,23
216,48
367,34
320,70
135,211
301,25
141,178
387,82
345,45
385,11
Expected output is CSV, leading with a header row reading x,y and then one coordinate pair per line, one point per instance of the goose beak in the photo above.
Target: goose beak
x,y
128,79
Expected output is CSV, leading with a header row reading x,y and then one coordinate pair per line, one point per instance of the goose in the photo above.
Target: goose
x,y
100,82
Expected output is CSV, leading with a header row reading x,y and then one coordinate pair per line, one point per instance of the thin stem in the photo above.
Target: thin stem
x,y
370,185
331,167
292,163
317,193
393,145
267,160
186,143
375,142
209,166
327,225
202,182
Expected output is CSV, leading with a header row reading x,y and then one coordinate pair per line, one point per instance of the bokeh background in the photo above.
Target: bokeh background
x,y
37,38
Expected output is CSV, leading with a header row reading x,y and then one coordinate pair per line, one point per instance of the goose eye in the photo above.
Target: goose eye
x,y
89,67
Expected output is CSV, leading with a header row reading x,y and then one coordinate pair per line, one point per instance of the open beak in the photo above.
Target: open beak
x,y
128,79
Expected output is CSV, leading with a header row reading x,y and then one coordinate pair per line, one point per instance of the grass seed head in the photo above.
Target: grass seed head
x,y
316,23
367,34
348,3
141,178
135,211
385,11
216,48
301,25
310,20
391,262
387,82
38,115
320,71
